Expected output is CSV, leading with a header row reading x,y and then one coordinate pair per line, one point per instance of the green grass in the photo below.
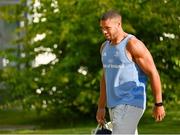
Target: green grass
x,y
23,122
80,130
170,125
16,117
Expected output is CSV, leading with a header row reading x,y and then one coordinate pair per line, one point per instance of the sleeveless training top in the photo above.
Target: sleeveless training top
x,y
125,81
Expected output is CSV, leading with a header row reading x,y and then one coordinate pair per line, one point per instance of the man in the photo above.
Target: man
x,y
126,65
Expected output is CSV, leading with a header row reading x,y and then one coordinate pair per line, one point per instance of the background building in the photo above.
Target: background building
x,y
6,32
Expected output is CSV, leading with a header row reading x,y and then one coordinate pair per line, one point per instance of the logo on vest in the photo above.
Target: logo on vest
x,y
116,54
113,66
104,54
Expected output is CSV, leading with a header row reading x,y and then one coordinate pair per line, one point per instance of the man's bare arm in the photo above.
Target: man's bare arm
x,y
140,54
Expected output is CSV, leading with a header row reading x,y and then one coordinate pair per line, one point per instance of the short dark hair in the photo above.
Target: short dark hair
x,y
110,14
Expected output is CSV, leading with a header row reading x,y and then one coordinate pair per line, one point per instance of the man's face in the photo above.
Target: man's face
x,y
109,28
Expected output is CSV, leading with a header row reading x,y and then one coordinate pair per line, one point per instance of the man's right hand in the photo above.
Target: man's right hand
x,y
100,116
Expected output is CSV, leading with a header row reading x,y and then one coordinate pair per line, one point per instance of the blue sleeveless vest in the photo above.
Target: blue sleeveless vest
x,y
125,81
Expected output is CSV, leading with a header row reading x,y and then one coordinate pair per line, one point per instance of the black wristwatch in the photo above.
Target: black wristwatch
x,y
159,104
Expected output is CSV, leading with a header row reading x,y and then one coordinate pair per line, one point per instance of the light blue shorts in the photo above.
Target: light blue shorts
x,y
125,119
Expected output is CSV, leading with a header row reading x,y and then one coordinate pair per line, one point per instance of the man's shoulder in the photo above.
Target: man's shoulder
x,y
133,40
135,46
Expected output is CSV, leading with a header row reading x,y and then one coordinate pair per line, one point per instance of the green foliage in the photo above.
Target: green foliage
x,y
69,84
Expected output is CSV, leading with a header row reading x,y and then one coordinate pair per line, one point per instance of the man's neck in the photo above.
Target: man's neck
x,y
119,38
